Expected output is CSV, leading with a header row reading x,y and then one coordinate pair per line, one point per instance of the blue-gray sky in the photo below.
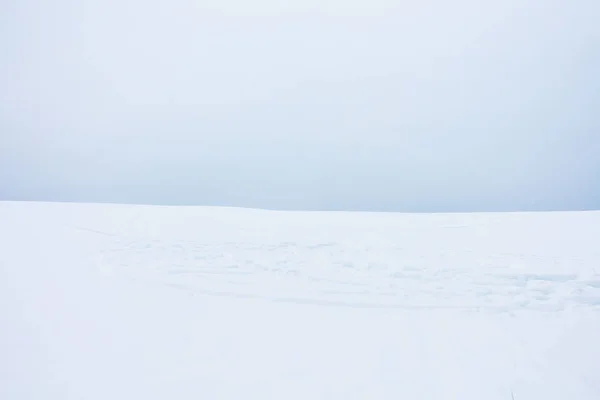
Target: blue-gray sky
x,y
315,104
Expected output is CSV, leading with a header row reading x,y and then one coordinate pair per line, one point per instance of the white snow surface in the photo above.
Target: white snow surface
x,y
147,302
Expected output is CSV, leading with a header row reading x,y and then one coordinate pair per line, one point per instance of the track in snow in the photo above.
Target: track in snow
x,y
372,274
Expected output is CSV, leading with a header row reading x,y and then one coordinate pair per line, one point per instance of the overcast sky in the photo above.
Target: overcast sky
x,y
378,105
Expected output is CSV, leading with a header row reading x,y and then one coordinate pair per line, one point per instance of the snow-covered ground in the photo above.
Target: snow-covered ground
x,y
141,302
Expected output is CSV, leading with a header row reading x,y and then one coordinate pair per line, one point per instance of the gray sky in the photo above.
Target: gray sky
x,y
363,105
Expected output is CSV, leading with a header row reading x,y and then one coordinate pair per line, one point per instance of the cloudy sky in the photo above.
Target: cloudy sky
x,y
316,104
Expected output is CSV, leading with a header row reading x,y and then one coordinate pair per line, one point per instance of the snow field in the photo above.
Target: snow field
x,y
112,301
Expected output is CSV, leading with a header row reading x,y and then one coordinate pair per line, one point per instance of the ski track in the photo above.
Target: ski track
x,y
338,273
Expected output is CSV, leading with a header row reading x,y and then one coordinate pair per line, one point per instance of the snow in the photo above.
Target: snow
x,y
146,302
